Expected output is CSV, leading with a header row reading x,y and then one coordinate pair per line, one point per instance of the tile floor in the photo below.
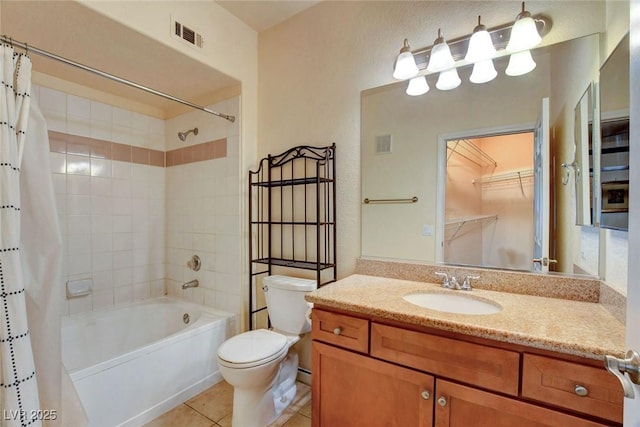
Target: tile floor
x,y
213,408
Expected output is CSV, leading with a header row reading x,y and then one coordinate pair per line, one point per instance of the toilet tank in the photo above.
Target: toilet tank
x,y
286,304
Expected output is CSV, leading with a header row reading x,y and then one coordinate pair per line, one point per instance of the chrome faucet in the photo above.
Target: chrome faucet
x,y
447,282
466,284
451,282
191,284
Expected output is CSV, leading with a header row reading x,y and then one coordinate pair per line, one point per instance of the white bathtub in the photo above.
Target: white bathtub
x,y
130,364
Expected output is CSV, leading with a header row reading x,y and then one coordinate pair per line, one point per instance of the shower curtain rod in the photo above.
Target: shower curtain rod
x,y
30,48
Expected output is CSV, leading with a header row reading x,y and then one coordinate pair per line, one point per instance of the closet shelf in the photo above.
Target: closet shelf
x,y
507,176
294,181
471,152
303,265
459,223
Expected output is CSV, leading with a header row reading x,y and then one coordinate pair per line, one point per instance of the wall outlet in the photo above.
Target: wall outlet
x,y
427,230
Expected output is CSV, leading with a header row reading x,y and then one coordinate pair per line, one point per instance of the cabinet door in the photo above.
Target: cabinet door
x,y
462,406
349,389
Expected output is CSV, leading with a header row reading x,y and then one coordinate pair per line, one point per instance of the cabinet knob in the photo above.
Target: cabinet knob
x,y
581,390
425,394
337,330
442,401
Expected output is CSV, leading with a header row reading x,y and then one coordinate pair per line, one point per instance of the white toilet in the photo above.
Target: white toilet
x,y
258,364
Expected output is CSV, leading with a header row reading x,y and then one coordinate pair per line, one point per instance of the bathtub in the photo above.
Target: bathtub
x,y
132,363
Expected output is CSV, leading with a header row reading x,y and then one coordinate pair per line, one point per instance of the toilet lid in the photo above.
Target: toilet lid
x,y
250,347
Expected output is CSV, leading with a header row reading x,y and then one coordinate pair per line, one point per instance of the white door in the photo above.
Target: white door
x,y
632,406
541,190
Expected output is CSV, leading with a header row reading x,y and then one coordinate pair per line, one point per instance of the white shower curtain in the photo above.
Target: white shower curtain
x,y
41,256
19,400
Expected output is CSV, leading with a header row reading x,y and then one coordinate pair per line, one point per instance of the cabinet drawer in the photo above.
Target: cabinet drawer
x,y
341,330
555,381
488,367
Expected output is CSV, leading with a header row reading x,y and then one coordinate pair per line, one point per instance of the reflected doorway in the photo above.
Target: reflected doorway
x,y
489,200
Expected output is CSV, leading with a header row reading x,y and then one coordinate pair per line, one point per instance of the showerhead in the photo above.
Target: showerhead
x,y
183,135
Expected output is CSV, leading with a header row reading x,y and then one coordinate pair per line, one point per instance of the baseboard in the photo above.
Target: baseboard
x,y
173,401
304,376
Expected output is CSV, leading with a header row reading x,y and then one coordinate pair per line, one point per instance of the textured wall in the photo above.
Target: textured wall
x,y
313,67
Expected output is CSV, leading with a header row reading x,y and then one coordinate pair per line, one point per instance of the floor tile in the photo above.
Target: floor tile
x,y
182,416
306,409
298,420
214,403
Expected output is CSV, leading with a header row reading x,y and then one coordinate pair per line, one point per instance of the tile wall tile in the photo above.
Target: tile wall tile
x,y
129,222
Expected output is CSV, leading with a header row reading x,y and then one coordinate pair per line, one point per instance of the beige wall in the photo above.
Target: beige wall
x,y
313,67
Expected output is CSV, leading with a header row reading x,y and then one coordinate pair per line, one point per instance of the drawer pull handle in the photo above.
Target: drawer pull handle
x,y
337,330
425,394
581,390
442,401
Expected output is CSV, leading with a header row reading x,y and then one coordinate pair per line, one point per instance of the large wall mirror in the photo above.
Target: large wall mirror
x,y
614,140
454,169
582,170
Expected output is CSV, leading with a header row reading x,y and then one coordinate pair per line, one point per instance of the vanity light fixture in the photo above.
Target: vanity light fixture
x,y
524,34
441,59
481,53
480,45
483,71
520,63
418,86
479,48
405,67
448,79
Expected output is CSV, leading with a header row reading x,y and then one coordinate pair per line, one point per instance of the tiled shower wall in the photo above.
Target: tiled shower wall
x,y
112,194
203,208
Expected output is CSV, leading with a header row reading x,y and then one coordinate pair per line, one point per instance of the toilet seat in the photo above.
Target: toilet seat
x,y
252,348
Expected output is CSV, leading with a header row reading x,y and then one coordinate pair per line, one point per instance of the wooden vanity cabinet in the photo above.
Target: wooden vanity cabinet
x,y
387,375
462,406
351,389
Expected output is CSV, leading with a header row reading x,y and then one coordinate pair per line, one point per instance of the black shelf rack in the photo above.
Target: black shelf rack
x,y
292,221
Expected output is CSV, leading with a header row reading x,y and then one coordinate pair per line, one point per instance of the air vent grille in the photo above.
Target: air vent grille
x,y
383,144
187,34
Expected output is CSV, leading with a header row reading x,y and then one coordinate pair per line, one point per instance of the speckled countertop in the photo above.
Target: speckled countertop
x,y
578,328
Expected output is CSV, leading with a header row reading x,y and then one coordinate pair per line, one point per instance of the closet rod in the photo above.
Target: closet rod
x,y
29,48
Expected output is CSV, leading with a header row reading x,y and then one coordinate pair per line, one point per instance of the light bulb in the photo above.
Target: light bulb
x,y
440,58
483,71
448,79
405,64
417,86
520,63
524,33
480,45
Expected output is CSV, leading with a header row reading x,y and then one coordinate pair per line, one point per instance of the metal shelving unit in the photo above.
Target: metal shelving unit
x,y
292,214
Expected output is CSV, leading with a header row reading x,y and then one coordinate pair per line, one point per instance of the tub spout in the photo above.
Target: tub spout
x,y
191,284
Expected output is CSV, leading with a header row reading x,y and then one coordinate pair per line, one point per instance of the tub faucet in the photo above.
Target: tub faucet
x,y
191,284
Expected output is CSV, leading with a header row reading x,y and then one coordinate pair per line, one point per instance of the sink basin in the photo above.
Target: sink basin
x,y
454,303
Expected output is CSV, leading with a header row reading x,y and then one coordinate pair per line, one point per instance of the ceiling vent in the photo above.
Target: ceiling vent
x,y
187,34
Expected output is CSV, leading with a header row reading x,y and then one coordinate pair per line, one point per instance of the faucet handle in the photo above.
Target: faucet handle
x,y
445,279
466,284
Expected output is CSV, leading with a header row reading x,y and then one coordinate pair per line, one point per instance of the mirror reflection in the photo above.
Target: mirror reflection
x,y
581,171
614,143
407,151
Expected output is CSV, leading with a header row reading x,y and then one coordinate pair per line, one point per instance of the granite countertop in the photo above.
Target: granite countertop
x,y
584,329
